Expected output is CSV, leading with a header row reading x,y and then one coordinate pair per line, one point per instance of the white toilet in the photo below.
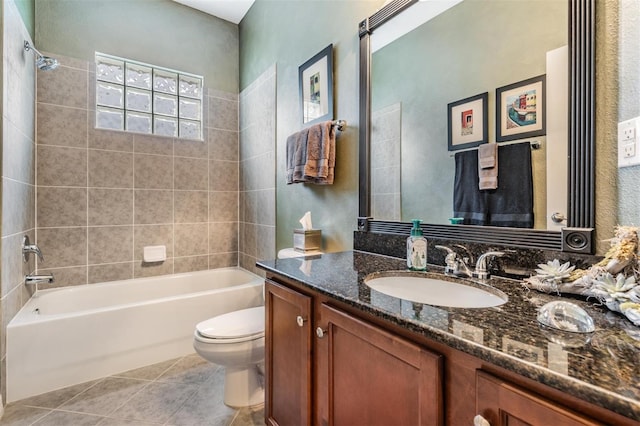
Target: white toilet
x,y
235,341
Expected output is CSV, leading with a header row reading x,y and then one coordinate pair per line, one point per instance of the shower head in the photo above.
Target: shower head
x,y
45,63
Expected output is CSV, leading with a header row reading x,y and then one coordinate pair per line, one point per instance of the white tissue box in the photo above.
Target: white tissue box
x,y
307,240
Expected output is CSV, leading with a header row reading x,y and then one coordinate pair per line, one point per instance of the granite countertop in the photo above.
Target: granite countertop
x,y
602,367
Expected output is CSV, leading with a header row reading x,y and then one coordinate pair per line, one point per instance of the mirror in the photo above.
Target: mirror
x,y
579,15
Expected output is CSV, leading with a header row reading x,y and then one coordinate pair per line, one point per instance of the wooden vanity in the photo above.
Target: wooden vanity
x,y
338,354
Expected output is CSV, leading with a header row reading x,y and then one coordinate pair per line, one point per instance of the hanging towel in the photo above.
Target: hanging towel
x,y
327,158
468,201
311,155
296,156
488,166
512,203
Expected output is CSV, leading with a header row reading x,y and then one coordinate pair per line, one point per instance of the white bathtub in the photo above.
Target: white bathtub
x,y
75,334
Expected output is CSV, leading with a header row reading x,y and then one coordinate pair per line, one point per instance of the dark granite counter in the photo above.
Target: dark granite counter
x,y
602,367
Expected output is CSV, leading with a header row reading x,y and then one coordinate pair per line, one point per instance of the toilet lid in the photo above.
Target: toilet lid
x,y
242,323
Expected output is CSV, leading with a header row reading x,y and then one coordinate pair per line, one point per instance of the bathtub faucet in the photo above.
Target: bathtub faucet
x,y
31,279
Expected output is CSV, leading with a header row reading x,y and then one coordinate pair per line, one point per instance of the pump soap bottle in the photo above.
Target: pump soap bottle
x,y
417,248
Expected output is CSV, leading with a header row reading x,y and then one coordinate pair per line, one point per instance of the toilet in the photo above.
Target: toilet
x,y
235,341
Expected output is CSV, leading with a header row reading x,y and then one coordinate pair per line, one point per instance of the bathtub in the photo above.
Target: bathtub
x,y
71,335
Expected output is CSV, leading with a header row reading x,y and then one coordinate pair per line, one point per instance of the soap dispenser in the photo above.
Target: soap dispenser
x,y
417,248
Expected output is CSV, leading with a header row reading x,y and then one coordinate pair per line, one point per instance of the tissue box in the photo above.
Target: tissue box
x,y
307,240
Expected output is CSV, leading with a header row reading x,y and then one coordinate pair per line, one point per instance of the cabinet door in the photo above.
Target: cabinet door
x,y
288,356
503,404
374,377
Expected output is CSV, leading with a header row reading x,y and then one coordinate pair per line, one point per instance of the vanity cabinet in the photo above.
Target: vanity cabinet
x,y
502,403
330,363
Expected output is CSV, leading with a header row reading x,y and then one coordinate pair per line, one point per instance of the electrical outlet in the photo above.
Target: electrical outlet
x,y
628,149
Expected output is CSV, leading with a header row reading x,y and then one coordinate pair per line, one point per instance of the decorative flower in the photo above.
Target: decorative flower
x,y
631,310
554,271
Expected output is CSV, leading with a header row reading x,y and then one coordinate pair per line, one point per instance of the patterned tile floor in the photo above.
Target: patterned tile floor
x,y
186,391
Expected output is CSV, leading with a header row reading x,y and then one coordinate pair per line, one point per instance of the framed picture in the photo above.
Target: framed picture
x,y
316,87
520,109
468,122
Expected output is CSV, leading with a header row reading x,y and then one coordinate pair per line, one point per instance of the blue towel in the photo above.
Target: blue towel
x,y
511,204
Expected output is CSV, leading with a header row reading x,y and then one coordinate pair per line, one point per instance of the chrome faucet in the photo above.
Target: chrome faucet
x,y
28,248
31,279
481,271
454,264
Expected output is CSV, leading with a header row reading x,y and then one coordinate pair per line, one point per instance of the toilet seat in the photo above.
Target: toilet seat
x,y
233,327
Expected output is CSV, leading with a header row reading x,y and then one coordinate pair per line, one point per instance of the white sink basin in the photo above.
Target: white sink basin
x,y
433,291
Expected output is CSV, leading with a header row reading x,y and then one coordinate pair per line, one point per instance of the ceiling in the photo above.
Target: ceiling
x,y
230,10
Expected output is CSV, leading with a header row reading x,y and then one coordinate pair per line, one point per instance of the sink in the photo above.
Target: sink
x,y
428,288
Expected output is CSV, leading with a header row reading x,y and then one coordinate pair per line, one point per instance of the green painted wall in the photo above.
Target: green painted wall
x,y
27,11
288,33
159,32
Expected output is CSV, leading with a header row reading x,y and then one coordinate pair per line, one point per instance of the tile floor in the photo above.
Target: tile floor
x,y
181,392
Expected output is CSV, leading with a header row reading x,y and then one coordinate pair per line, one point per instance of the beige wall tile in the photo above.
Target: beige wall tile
x,y
191,148
66,86
191,173
110,140
223,237
152,235
62,247
61,206
58,125
153,206
249,238
142,269
191,239
223,175
190,264
110,206
110,272
191,206
109,169
223,206
65,277
153,171
223,114
223,260
18,154
110,244
18,215
223,144
61,166
150,144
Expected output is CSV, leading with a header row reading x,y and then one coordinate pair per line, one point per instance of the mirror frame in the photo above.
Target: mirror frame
x,y
581,137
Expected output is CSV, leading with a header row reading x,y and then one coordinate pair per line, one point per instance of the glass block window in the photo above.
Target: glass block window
x,y
143,98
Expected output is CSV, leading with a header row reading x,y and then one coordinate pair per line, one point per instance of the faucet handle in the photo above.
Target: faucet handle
x,y
481,266
28,248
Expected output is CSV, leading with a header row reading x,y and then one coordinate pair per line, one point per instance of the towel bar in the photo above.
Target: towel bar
x,y
534,145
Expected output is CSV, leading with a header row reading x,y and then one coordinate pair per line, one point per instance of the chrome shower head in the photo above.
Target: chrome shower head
x,y
44,63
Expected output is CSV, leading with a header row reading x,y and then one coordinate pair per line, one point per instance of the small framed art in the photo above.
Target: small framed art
x,y
468,122
316,87
520,109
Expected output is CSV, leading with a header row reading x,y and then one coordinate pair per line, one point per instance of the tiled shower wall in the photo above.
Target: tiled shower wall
x,y
257,170
104,195
18,148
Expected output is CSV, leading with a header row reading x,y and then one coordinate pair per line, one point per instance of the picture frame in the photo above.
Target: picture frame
x,y
521,109
468,122
315,79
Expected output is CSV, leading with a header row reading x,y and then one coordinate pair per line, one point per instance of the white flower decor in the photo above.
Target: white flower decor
x,y
613,281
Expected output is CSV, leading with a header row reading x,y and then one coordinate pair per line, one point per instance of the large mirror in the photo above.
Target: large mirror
x,y
458,50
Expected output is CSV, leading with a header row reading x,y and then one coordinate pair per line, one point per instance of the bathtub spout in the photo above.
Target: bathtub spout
x,y
39,279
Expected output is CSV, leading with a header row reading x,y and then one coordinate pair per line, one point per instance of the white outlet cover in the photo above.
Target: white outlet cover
x,y
628,135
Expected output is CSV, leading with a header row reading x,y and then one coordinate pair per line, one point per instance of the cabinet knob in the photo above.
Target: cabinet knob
x,y
320,332
480,421
300,321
